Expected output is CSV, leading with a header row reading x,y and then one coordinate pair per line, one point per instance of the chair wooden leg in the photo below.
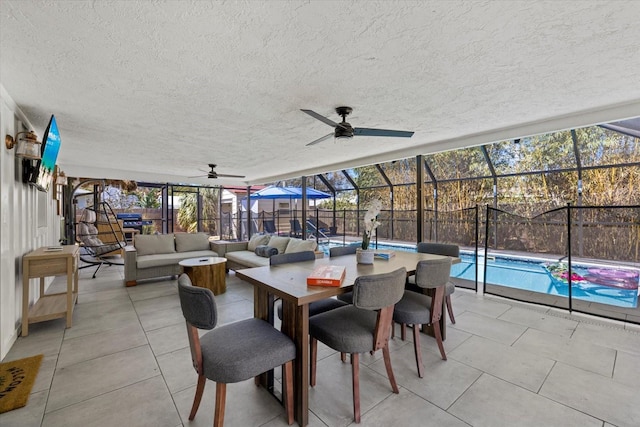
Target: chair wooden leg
x,y
418,350
313,344
403,331
355,377
202,380
438,334
221,397
287,381
343,357
387,364
447,300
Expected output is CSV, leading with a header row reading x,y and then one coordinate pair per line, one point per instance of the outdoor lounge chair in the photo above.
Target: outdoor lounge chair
x,y
100,236
269,226
296,228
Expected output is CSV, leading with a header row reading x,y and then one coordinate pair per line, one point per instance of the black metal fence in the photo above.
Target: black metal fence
x,y
602,238
580,258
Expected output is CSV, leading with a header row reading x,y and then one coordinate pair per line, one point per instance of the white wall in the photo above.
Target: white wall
x,y
20,232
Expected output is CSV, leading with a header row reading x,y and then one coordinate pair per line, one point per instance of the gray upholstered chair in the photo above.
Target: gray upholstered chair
x,y
419,309
342,251
233,352
316,306
361,327
438,249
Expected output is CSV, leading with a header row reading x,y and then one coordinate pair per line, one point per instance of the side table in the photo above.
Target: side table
x,y
129,234
207,272
45,262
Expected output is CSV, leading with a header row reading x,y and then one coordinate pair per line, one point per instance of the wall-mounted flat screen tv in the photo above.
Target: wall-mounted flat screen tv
x,y
42,174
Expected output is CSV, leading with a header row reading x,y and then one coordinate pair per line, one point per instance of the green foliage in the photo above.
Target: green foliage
x,y
149,229
148,198
533,179
188,212
343,201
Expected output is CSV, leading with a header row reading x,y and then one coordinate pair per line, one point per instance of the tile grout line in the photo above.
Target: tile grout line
x,y
155,357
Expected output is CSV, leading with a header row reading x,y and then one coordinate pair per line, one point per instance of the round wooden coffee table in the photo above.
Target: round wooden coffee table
x,y
207,272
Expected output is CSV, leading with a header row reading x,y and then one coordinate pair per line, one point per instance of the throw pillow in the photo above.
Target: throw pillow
x,y
257,240
265,251
151,244
279,243
299,245
186,242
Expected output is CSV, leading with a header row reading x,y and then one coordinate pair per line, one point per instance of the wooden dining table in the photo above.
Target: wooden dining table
x,y
289,283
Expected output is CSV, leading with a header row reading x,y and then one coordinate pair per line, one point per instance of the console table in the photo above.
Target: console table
x,y
45,262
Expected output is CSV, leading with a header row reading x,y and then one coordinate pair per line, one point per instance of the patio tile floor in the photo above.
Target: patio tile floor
x,y
125,361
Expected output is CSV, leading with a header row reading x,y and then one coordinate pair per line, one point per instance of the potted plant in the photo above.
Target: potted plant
x,y
364,255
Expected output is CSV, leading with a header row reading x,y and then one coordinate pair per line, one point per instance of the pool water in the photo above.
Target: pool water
x,y
535,276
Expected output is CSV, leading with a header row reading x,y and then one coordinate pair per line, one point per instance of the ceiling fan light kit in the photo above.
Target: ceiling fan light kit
x,y
344,130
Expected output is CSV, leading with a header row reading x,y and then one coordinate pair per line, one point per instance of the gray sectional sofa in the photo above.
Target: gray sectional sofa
x,y
256,252
158,255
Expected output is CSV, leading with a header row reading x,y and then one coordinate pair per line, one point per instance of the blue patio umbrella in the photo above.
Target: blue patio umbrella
x,y
273,192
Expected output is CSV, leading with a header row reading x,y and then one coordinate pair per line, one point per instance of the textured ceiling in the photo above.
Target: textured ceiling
x,y
153,91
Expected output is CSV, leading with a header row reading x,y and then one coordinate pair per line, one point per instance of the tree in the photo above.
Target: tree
x,y
148,198
188,213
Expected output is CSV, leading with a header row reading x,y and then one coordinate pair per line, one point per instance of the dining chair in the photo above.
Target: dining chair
x,y
419,309
341,251
438,249
315,307
233,352
347,297
361,327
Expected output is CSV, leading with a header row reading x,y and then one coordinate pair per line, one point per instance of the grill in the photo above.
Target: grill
x,y
133,220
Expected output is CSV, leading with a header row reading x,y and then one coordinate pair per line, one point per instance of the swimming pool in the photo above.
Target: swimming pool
x,y
589,283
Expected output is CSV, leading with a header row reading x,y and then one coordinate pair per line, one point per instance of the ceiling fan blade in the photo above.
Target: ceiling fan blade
x,y
323,119
197,176
382,132
321,139
224,175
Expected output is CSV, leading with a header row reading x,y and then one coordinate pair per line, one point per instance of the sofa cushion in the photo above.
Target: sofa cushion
x,y
151,244
299,245
280,243
247,259
265,251
161,260
186,242
257,240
